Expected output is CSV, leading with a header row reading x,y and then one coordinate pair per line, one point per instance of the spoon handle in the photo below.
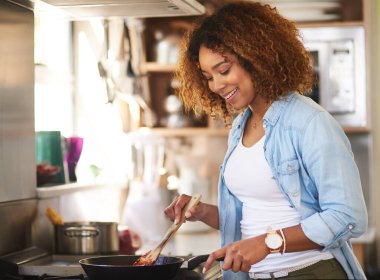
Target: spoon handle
x,y
174,227
151,256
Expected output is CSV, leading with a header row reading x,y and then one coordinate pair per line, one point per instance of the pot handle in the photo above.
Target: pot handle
x,y
193,262
81,232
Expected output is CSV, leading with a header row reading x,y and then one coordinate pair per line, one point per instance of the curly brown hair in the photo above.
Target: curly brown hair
x,y
267,45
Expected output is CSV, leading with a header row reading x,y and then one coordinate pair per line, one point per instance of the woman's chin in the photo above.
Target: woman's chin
x,y
238,106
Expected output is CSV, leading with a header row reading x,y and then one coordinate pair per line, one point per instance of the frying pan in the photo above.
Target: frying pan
x,y
121,267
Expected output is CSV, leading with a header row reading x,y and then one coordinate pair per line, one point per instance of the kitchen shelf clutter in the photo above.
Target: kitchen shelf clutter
x,y
161,38
318,11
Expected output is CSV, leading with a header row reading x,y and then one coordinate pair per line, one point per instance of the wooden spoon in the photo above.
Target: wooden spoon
x,y
151,256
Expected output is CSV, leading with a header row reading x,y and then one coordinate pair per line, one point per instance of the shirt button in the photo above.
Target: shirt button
x,y
350,227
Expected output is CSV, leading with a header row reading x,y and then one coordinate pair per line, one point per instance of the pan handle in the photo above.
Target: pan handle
x,y
192,263
81,232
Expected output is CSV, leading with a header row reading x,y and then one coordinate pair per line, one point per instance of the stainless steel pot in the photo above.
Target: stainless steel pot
x,y
86,238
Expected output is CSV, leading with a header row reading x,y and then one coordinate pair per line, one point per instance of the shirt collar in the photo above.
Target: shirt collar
x,y
274,111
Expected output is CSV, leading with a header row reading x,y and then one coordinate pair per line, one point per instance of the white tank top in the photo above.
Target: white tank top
x,y
249,178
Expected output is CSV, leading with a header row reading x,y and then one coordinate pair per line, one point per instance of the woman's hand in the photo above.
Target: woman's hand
x,y
240,255
174,210
202,212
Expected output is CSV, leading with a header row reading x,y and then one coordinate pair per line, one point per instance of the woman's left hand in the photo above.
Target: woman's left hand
x,y
240,255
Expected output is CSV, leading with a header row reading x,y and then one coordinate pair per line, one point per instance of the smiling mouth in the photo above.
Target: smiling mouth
x,y
231,94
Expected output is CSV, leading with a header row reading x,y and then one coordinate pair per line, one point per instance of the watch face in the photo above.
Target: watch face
x,y
273,241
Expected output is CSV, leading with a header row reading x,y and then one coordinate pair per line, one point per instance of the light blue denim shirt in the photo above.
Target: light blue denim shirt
x,y
312,162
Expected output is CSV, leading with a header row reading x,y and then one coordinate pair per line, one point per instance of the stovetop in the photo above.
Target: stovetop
x,y
36,264
181,275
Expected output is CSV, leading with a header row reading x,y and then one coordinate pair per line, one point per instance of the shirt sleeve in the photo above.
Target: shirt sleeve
x,y
329,161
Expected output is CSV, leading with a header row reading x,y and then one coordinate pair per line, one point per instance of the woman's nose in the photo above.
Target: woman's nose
x,y
218,85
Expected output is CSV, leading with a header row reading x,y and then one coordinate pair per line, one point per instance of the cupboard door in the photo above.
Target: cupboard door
x,y
17,151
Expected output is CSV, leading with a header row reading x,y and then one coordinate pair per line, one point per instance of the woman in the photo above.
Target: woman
x,y
290,196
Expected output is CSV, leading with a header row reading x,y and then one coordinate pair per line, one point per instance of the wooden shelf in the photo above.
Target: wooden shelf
x,y
204,131
356,130
157,67
330,24
59,190
190,131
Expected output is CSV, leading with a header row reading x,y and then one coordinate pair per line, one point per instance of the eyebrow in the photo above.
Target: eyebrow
x,y
217,65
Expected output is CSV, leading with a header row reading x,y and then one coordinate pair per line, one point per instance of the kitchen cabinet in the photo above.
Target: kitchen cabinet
x,y
17,158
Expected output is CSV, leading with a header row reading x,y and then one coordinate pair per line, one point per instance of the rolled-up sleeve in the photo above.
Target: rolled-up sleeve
x,y
329,161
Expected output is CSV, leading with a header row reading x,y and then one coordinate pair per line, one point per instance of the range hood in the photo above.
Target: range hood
x,y
131,8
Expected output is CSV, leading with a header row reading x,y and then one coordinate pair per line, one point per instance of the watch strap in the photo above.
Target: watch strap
x,y
283,241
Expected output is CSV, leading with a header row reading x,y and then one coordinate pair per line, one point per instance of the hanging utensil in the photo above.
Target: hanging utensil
x,y
127,37
151,256
103,71
107,81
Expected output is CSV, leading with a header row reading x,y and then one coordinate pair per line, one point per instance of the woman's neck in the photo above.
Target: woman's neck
x,y
258,108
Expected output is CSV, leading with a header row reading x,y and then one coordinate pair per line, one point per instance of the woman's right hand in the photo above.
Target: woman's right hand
x,y
202,212
174,210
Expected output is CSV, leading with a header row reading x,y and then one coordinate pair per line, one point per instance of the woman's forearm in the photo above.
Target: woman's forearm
x,y
296,240
209,215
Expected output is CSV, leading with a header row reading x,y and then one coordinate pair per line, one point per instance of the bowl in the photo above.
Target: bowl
x,y
46,173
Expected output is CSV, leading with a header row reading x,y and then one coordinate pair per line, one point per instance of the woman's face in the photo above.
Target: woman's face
x,y
226,77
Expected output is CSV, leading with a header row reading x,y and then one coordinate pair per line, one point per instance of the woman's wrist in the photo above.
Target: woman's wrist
x,y
266,248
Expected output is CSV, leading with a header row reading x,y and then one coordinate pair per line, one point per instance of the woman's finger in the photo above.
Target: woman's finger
x,y
219,254
169,211
181,202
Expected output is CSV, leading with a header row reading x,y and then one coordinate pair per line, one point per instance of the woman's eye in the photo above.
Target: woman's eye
x,y
225,72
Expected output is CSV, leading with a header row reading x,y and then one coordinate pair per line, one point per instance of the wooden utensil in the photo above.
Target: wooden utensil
x,y
151,256
54,217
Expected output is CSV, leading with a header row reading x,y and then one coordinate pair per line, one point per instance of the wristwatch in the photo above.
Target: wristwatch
x,y
273,240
